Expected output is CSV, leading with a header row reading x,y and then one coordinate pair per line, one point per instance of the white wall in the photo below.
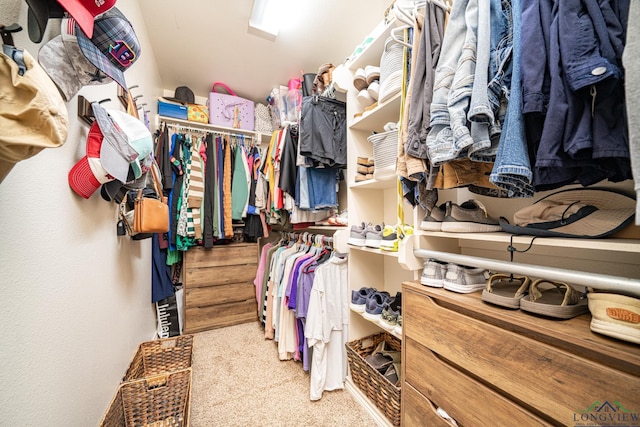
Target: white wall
x,y
76,299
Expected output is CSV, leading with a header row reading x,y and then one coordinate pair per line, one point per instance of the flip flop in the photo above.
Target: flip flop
x,y
560,300
506,290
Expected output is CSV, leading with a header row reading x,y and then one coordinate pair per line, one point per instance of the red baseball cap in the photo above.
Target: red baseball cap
x,y
86,176
84,11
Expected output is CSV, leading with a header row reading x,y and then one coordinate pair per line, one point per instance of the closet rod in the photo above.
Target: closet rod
x,y
203,127
593,280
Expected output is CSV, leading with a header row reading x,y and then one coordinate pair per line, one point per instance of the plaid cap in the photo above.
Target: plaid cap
x,y
114,46
63,61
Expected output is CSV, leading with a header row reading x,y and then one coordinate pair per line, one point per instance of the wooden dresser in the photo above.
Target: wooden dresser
x,y
487,366
218,286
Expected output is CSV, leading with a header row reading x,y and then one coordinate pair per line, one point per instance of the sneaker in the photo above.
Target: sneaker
x,y
390,238
374,304
615,315
373,236
464,280
433,273
432,221
389,241
359,299
357,235
390,311
398,329
469,217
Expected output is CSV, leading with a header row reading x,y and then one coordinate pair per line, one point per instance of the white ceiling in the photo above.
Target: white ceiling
x,y
198,42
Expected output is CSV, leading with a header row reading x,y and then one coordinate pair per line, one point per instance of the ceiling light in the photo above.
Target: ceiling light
x,y
266,16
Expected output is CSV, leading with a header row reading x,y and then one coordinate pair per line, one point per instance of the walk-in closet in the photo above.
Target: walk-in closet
x,y
322,213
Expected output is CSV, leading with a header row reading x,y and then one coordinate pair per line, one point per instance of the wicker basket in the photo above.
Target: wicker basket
x,y
161,400
160,357
378,389
385,153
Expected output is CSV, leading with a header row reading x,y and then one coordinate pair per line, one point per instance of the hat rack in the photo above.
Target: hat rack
x,y
85,112
6,31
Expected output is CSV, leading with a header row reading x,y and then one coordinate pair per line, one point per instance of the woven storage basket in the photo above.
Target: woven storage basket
x,y
160,357
378,389
385,153
161,400
390,70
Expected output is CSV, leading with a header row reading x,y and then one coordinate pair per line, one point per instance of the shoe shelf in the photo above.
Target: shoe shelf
x,y
617,245
391,331
376,118
374,251
375,184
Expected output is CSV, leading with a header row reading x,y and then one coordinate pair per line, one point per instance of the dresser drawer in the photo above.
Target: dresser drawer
x,y
219,275
464,398
418,411
554,383
197,319
221,294
232,254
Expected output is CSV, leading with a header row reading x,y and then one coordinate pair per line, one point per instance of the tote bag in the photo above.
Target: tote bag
x,y
230,110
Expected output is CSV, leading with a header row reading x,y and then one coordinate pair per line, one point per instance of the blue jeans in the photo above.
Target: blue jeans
x,y
440,138
512,170
322,188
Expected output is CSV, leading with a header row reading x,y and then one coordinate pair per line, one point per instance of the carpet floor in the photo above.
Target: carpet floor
x,y
238,380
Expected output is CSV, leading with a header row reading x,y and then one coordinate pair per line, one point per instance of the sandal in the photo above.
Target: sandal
x,y
560,300
381,358
506,290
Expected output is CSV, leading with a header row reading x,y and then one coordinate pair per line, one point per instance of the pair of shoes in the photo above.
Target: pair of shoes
x,y
469,217
366,76
453,277
375,303
359,298
391,236
339,220
365,168
544,297
390,312
382,358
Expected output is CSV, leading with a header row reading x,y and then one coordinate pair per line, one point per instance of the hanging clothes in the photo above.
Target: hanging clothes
x,y
327,327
